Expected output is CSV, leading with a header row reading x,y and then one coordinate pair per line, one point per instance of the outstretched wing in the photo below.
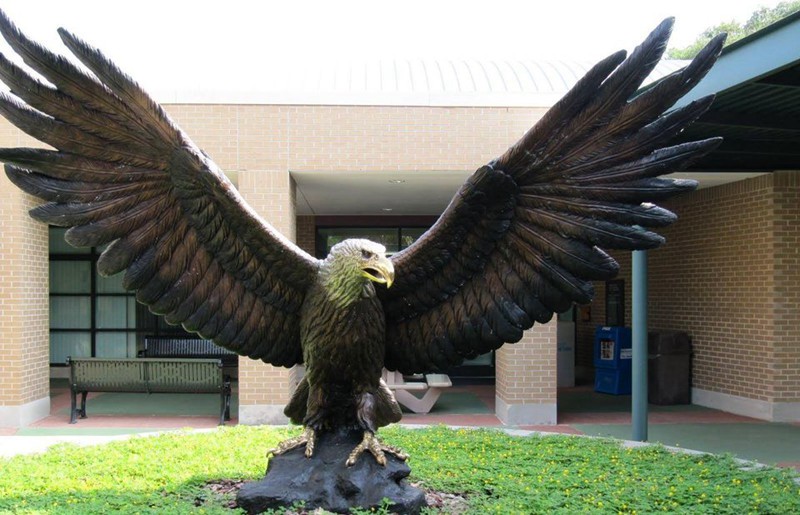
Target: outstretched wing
x,y
123,173
522,238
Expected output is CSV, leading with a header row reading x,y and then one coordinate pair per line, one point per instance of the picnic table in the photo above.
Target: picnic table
x,y
429,385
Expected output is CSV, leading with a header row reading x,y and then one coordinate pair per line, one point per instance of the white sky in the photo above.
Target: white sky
x,y
172,44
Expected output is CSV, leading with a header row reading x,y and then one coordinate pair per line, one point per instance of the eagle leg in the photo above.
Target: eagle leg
x,y
309,438
371,443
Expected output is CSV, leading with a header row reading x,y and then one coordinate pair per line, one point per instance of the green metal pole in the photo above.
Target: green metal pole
x,y
639,344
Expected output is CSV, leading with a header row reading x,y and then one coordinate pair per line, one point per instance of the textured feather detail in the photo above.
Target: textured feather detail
x,y
246,339
69,138
59,165
567,284
226,309
100,232
233,327
123,173
647,140
659,162
650,104
634,191
645,215
62,107
579,257
596,232
85,193
204,314
165,232
525,292
201,291
123,252
524,237
170,269
67,77
602,108
82,213
529,150
131,94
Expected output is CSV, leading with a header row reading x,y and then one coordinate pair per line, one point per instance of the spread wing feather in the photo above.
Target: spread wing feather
x,y
121,172
523,238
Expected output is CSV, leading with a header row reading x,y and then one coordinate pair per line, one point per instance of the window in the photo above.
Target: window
x,y
394,239
91,315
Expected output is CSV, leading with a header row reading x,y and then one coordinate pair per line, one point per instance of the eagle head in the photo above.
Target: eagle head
x,y
353,260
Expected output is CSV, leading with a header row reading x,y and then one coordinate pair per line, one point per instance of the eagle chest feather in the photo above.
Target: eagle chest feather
x,y
343,341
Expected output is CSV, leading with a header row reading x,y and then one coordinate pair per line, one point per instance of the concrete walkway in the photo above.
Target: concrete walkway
x,y
581,411
17,445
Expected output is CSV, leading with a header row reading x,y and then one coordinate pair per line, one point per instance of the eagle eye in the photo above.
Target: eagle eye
x,y
367,254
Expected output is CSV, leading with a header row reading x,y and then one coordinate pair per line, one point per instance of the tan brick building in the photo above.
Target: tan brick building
x,y
728,275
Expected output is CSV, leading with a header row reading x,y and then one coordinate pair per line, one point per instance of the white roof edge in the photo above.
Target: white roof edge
x,y
506,99
498,84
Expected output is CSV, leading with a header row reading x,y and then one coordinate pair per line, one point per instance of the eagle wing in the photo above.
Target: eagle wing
x,y
122,173
522,238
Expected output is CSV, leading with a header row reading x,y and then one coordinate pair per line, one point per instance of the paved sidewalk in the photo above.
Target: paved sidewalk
x,y
17,445
581,411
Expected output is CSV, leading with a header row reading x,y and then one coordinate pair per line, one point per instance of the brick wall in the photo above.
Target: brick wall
x,y
728,275
352,138
24,316
525,386
715,279
786,303
24,325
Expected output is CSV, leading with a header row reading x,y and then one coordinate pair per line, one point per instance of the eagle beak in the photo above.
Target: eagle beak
x,y
379,270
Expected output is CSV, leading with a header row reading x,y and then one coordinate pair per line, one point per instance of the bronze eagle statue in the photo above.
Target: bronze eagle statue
x,y
520,240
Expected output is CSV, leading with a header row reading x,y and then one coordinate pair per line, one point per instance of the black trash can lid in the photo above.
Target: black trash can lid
x,y
668,342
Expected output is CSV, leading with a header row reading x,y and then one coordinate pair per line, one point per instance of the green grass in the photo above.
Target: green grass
x,y
497,473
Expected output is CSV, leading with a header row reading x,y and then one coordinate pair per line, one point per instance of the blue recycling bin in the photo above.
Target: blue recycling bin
x,y
612,360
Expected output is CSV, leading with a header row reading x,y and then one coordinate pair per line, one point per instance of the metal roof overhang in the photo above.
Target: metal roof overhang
x,y
757,106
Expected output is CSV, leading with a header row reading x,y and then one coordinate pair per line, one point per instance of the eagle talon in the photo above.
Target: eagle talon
x,y
308,438
371,443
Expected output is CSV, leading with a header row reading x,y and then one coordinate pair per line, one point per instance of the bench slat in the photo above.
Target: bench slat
x,y
166,347
108,375
147,375
201,376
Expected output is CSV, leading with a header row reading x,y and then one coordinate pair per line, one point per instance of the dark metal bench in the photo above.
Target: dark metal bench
x,y
197,348
146,375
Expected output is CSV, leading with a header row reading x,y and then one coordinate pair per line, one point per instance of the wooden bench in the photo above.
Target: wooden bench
x,y
431,384
197,348
147,375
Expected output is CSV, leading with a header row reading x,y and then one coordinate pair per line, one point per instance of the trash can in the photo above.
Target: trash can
x,y
612,360
669,367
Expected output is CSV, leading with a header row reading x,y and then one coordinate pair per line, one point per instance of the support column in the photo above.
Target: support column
x,y
639,346
264,390
526,378
24,311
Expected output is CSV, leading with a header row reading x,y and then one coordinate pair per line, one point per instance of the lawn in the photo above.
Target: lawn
x,y
493,472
